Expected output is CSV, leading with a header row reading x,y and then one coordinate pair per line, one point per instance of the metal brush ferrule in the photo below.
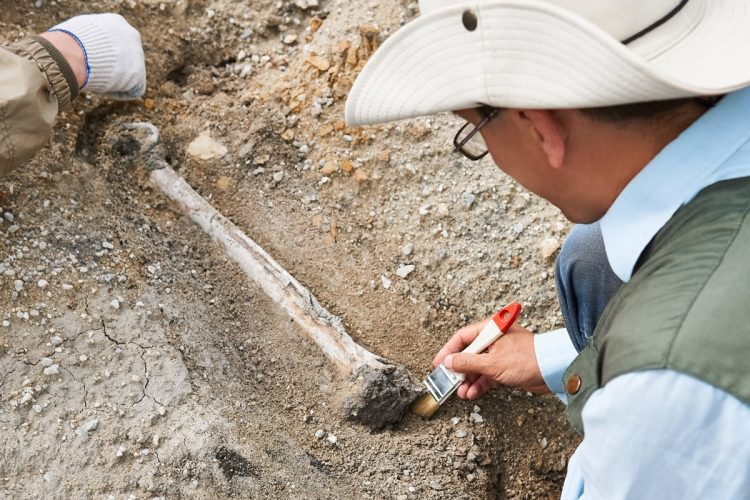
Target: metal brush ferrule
x,y
442,383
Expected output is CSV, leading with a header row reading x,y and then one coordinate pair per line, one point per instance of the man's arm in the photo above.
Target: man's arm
x,y
35,82
661,434
39,76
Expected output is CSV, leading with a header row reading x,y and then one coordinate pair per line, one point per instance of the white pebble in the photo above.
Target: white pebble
x,y
405,270
56,340
115,304
52,370
107,245
42,283
18,285
320,434
67,286
476,418
332,438
47,362
89,426
386,282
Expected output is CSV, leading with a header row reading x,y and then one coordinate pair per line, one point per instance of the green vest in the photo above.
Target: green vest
x,y
684,308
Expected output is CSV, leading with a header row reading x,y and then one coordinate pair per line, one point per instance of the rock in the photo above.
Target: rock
x,y
442,210
115,304
9,217
46,362
318,62
25,398
320,434
278,176
56,340
332,438
407,249
468,198
476,418
88,427
436,486
107,245
42,284
386,282
18,285
518,228
460,433
549,247
52,370
405,270
289,39
67,286
206,148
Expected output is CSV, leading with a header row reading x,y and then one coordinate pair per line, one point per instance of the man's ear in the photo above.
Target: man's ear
x,y
549,132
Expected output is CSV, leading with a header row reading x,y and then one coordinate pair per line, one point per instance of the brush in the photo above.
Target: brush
x,y
442,382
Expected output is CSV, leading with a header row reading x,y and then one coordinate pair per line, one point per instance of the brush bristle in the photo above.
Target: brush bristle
x,y
426,406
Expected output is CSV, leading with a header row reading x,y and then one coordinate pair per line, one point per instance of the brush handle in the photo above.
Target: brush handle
x,y
495,328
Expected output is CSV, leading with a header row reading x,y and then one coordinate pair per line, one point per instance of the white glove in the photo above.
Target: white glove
x,y
115,64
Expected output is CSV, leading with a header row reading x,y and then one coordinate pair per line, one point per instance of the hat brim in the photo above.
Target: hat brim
x,y
533,54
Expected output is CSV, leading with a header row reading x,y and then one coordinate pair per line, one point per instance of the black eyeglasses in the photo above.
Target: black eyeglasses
x,y
469,141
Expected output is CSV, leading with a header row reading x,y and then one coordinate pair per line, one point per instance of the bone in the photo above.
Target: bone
x,y
380,392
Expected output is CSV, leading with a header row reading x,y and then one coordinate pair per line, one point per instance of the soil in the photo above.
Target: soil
x,y
137,361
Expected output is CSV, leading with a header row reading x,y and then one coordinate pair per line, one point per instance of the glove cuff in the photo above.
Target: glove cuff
x,y
98,48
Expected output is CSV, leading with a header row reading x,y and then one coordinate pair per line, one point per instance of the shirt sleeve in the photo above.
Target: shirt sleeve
x,y
35,83
661,434
554,354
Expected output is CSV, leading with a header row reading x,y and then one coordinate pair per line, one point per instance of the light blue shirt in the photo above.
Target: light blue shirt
x,y
661,434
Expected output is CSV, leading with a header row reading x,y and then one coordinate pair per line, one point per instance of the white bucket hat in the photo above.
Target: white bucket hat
x,y
551,54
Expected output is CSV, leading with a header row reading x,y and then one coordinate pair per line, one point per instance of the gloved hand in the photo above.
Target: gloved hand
x,y
115,64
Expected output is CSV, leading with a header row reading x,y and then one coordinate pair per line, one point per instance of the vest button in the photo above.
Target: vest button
x,y
573,385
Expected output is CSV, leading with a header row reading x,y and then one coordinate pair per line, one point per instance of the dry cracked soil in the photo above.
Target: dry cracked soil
x,y
137,361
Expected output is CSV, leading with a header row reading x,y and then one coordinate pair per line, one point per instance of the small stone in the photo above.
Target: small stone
x,y
9,217
471,457
318,62
114,304
42,284
386,282
18,285
46,362
88,427
67,286
107,245
120,452
407,249
52,370
332,438
468,198
289,39
405,270
460,433
278,176
320,434
37,408
56,340
476,418
455,420
206,148
436,486
518,228
548,247
543,442
442,210
12,229
25,398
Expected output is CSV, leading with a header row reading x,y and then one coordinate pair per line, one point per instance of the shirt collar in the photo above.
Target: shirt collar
x,y
698,158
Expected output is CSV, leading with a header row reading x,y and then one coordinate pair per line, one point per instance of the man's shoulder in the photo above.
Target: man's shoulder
x,y
685,307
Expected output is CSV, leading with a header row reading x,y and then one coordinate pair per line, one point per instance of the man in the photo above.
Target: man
x,y
41,75
600,107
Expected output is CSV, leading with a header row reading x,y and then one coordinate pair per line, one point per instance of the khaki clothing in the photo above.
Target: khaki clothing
x,y
36,82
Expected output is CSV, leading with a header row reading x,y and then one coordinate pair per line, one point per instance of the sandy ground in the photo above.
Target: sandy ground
x,y
136,361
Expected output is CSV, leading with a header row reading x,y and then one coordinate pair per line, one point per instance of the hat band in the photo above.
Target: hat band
x,y
655,25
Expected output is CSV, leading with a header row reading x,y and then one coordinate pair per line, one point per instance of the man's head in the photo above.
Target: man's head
x,y
579,160
569,75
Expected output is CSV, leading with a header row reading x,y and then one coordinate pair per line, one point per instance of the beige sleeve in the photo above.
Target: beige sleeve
x,y
35,82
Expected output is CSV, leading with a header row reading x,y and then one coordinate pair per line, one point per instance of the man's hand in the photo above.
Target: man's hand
x,y
113,61
510,361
